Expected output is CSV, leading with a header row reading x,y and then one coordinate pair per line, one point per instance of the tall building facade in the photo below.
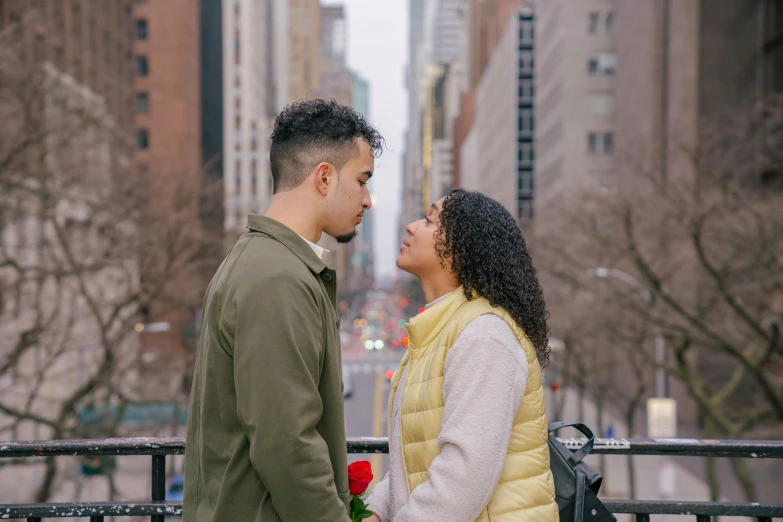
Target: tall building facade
x,y
575,65
689,70
167,87
247,180
414,73
497,156
436,75
296,49
336,80
168,139
212,106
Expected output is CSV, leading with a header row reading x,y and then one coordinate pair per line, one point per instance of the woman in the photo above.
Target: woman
x,y
467,423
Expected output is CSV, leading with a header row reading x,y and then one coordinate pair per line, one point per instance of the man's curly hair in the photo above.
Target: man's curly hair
x,y
311,131
491,260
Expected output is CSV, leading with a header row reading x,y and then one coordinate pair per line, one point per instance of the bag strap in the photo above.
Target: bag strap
x,y
579,501
577,456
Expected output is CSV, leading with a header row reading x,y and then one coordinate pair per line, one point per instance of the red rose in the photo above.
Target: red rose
x,y
359,477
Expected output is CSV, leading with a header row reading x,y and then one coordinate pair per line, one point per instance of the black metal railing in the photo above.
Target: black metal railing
x,y
158,448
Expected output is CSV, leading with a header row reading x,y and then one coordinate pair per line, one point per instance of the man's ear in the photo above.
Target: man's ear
x,y
324,177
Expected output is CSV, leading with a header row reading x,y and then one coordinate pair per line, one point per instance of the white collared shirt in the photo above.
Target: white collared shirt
x,y
319,250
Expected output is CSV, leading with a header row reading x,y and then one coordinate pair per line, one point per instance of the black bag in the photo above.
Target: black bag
x,y
576,483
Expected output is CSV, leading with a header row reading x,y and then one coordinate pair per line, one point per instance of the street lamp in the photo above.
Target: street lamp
x,y
661,412
661,380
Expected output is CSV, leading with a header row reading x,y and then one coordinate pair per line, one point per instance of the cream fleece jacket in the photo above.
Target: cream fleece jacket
x,y
484,382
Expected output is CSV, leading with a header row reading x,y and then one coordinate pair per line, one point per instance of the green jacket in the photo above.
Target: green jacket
x,y
266,429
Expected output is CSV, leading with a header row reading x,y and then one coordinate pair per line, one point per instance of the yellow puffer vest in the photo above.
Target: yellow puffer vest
x,y
526,490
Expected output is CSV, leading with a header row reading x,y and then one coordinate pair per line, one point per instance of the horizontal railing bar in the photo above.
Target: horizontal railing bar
x,y
89,509
703,509
139,509
754,449
176,446
126,446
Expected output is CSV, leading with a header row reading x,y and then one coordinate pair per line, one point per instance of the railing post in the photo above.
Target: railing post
x,y
34,519
642,518
158,483
96,519
703,518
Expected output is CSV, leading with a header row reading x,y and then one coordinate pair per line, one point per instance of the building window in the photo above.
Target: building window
x,y
526,122
237,122
525,206
525,185
142,66
600,22
254,183
526,62
236,47
600,143
142,102
143,139
526,155
141,29
526,32
526,91
238,175
602,64
601,103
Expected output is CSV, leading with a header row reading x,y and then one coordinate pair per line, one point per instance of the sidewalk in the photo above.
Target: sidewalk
x,y
616,477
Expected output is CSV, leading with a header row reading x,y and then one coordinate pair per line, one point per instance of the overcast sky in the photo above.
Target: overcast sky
x,y
377,50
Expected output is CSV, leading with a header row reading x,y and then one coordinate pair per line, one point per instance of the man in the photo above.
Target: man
x,y
266,433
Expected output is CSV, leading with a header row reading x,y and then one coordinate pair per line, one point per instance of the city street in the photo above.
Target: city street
x,y
366,409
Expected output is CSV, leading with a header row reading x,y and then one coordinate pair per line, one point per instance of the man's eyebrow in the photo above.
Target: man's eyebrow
x,y
367,173
435,208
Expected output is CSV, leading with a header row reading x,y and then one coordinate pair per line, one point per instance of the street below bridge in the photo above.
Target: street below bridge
x,y
366,409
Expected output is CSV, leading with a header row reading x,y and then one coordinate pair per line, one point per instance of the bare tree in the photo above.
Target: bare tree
x,y
707,244
88,245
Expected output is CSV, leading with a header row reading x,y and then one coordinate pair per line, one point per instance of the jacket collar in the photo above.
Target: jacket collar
x,y
425,327
286,236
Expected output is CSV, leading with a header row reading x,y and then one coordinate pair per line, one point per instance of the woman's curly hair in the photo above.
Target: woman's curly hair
x,y
491,260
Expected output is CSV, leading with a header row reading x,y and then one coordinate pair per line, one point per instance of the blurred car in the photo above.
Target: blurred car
x,y
175,492
176,487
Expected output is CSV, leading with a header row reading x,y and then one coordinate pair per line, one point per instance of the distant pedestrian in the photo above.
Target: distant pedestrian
x,y
467,422
266,430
